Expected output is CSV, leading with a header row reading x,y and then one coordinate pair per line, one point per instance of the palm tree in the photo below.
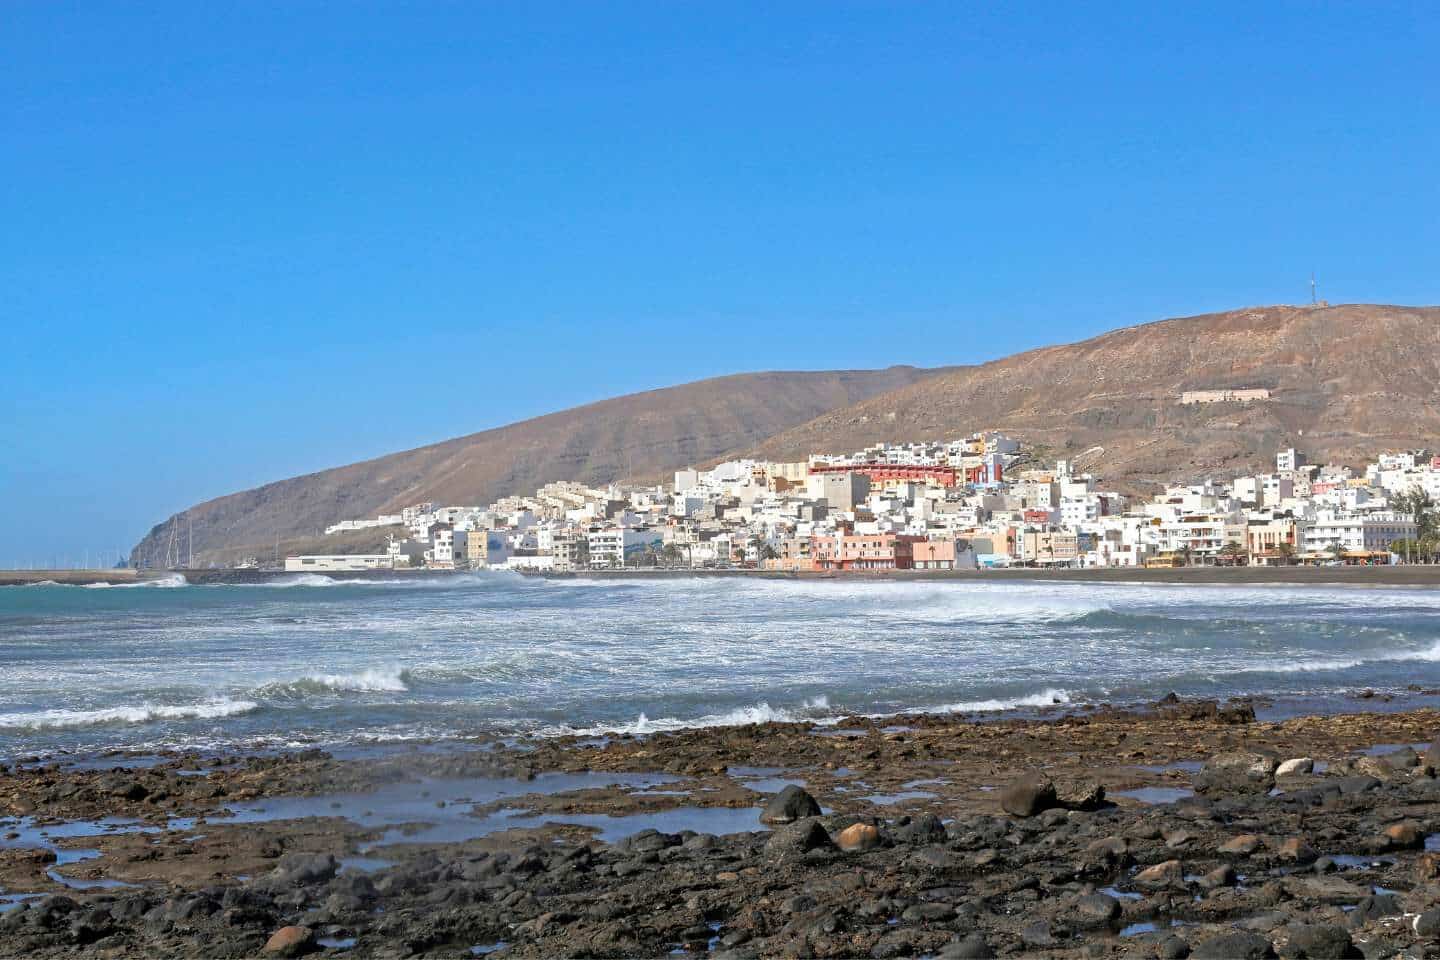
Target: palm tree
x,y
1234,552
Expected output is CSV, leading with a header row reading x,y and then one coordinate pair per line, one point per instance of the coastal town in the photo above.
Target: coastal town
x,y
973,503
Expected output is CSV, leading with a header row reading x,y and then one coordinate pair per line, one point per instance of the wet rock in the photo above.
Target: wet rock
x,y
1222,876
1378,906
1428,923
1238,772
1039,934
1350,786
1373,767
796,840
1179,839
1032,793
928,913
1403,759
1405,835
1314,941
290,942
972,947
789,805
1172,948
1079,793
1234,946
1296,850
926,828
858,837
1241,846
1110,851
1162,876
303,869
1295,767
1427,867
1431,758
1098,906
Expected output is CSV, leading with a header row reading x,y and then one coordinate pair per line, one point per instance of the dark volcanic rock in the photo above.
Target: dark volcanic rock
x,y
1239,772
1032,793
1234,946
1315,941
796,840
789,805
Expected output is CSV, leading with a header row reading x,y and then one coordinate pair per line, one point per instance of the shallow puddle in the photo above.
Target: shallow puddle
x,y
888,799
716,820
1156,795
441,808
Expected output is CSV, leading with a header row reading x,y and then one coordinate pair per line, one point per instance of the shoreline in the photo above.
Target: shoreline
x,y
643,846
1402,575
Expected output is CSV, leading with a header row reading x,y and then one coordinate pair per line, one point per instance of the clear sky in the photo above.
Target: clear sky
x,y
244,241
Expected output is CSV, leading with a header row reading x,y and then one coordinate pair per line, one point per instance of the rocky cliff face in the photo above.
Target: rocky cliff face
x,y
1344,383
640,435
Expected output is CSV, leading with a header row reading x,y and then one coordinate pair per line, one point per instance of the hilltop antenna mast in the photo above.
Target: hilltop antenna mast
x,y
1314,299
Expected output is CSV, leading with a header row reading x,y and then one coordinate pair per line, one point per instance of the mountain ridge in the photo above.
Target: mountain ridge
x,y
638,434
1345,382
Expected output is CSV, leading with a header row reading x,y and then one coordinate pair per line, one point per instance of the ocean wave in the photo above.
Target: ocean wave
x,y
50,719
815,710
1430,654
429,581
1044,698
388,680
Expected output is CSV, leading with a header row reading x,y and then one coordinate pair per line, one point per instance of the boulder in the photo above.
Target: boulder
x,y
1373,767
796,840
1030,794
302,869
789,805
1239,772
1234,946
1296,850
1295,767
1098,906
1162,876
290,942
858,836
1427,924
1379,906
972,947
1241,846
1222,876
1315,941
1404,759
1432,755
1405,835
1079,793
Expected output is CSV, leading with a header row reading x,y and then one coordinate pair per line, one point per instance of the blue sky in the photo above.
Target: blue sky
x,y
244,241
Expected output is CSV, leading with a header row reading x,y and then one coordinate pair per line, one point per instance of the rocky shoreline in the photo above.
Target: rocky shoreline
x,y
1184,829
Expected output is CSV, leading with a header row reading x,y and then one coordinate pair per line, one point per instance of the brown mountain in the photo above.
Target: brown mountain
x,y
640,435
1345,382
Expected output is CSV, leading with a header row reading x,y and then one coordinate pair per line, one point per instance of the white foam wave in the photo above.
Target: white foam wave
x,y
159,583
430,581
1429,655
741,716
299,580
145,713
1044,698
386,680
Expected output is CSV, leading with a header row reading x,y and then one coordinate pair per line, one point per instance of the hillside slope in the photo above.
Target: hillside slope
x,y
1345,381
643,434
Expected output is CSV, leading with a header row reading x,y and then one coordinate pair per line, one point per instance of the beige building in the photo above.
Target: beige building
x,y
1050,546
